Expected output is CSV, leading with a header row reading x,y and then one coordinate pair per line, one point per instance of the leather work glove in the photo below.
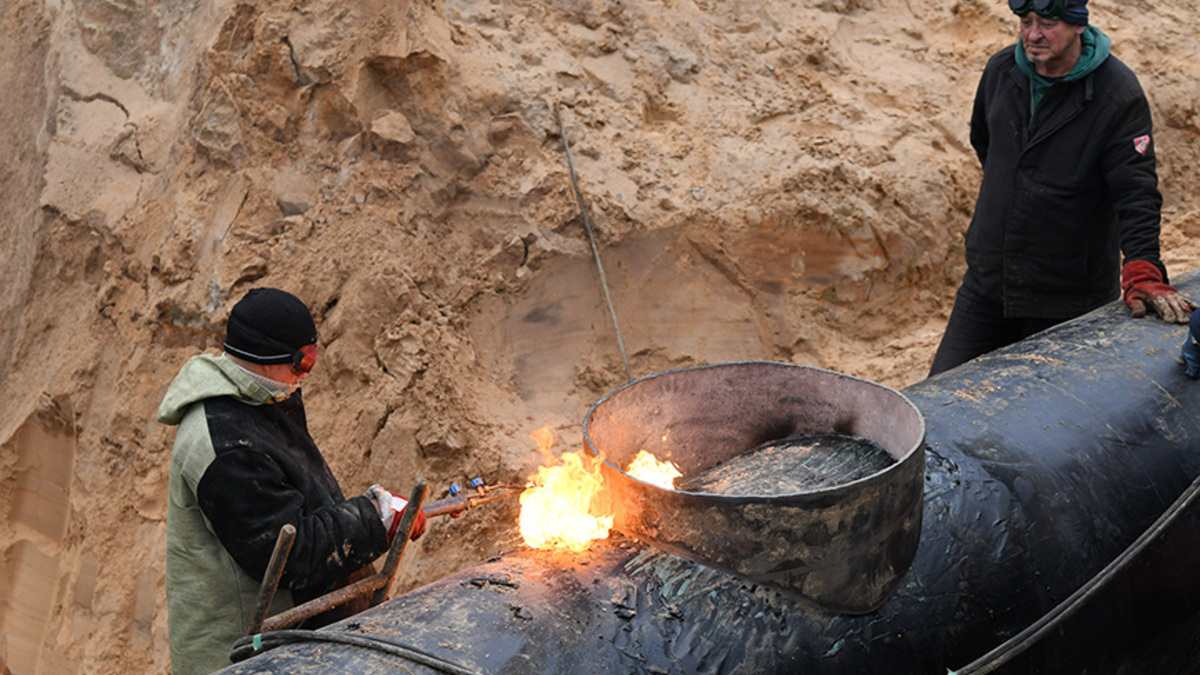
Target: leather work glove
x,y
1142,283
391,510
1191,348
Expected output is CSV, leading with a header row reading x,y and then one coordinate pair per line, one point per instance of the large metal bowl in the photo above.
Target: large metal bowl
x,y
844,546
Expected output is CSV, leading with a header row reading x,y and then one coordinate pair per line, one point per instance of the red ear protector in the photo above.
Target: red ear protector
x,y
1051,9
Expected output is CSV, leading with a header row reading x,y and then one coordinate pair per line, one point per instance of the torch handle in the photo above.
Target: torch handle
x,y
462,502
440,507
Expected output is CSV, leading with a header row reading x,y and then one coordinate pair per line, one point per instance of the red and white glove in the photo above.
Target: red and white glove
x,y
1142,285
391,510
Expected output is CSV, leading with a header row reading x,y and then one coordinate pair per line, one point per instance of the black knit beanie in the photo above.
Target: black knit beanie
x,y
269,326
1076,12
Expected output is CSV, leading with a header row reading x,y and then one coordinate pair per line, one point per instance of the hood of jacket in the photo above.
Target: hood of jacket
x,y
206,376
1096,47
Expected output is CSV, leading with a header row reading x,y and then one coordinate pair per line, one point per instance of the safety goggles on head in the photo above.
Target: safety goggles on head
x,y
1051,9
304,359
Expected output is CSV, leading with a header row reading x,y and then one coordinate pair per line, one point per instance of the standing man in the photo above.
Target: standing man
x,y
244,465
1063,131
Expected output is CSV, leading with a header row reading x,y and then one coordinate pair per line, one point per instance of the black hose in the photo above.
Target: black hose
x,y
252,645
1018,643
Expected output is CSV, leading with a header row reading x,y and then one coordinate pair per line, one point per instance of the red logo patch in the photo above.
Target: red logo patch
x,y
1141,144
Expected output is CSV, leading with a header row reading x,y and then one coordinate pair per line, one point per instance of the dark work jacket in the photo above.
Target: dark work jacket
x,y
267,472
1062,197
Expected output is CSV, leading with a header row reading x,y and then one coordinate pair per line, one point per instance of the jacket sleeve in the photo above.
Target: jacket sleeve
x,y
248,497
1130,173
980,136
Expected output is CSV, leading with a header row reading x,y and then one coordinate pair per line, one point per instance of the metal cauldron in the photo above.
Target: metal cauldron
x,y
844,546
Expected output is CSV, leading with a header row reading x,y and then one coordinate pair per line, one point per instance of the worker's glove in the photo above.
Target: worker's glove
x,y
391,510
1142,283
1191,348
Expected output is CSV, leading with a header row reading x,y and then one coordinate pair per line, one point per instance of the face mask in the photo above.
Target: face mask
x,y
280,391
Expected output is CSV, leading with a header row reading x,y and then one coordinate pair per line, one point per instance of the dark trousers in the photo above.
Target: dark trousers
x,y
978,326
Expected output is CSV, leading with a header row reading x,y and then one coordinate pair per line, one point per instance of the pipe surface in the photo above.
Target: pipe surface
x,y
1044,462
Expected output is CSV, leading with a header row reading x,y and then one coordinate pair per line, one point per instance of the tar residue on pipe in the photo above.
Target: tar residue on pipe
x,y
800,464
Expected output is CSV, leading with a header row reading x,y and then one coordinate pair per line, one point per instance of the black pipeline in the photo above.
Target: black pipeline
x,y
1044,461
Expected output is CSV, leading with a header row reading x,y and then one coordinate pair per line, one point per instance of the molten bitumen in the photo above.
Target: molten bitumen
x,y
795,465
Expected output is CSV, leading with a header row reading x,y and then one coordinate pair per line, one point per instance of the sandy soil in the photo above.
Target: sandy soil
x,y
775,180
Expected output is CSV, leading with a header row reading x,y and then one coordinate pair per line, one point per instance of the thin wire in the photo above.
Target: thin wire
x,y
252,645
587,223
1018,643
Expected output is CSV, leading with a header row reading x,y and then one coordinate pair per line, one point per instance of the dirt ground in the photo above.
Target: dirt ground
x,y
784,180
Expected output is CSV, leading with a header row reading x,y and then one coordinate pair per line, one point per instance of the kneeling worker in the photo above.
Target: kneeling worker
x,y
243,466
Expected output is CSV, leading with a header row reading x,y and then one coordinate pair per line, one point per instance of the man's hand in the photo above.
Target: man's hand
x,y
391,510
1142,284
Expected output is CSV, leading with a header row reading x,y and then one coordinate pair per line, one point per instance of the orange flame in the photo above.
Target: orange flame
x,y
647,467
556,508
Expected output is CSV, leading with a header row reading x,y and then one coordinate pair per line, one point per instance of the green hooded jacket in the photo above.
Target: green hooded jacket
x,y
241,468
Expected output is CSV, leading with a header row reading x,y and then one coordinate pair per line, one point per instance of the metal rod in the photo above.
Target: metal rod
x,y
270,582
587,223
323,604
415,501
